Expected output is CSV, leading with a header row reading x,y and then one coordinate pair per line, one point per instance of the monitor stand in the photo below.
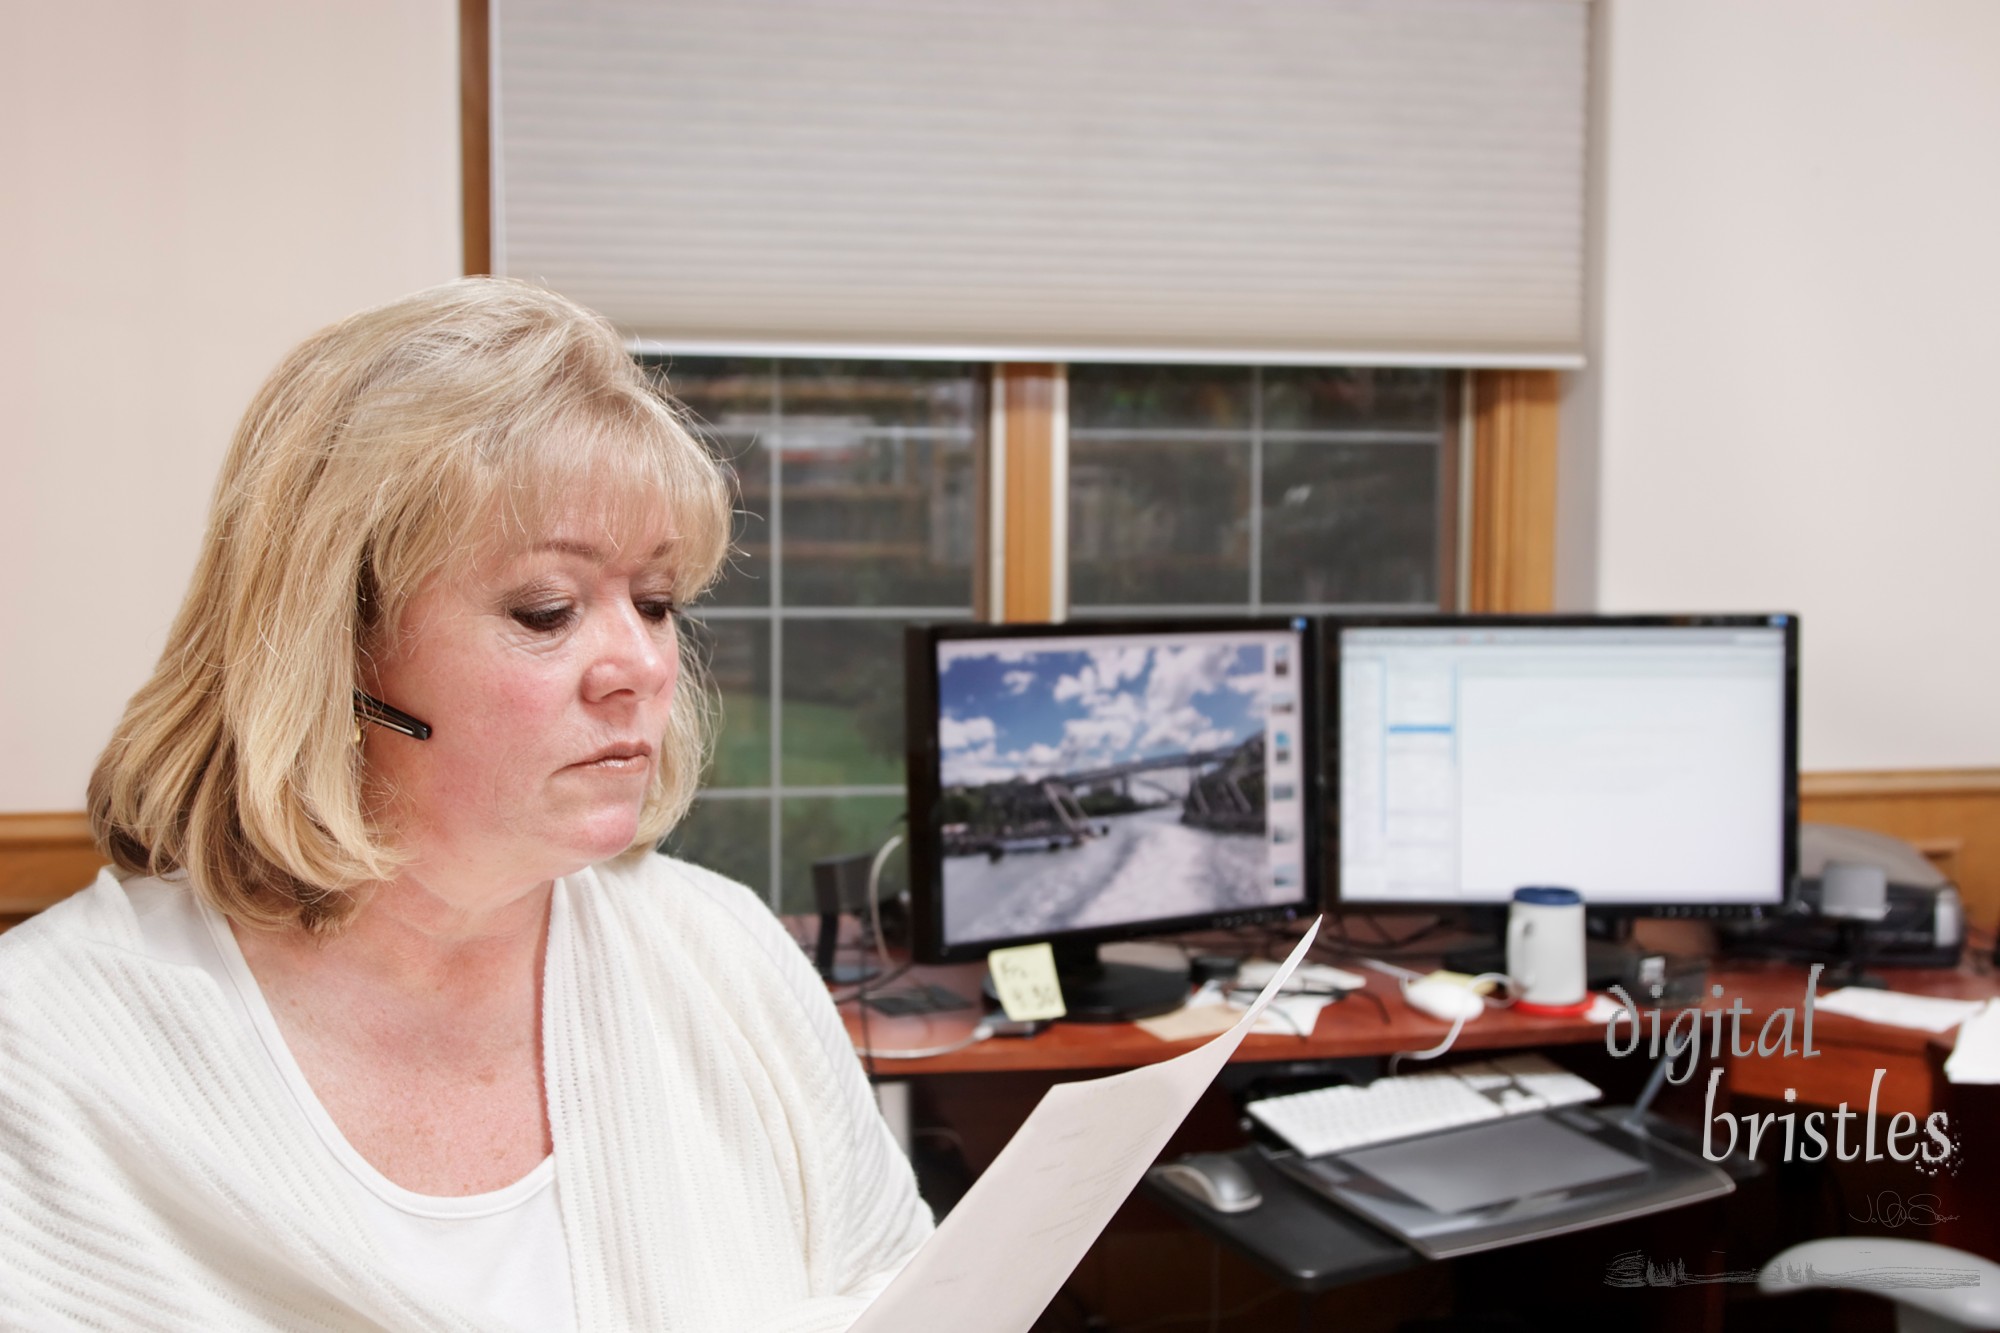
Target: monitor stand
x,y
1095,991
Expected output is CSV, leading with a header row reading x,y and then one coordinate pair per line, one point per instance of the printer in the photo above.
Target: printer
x,y
1925,926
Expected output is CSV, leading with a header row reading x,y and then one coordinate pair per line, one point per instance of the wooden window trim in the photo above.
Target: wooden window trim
x,y
1029,473
1513,558
475,133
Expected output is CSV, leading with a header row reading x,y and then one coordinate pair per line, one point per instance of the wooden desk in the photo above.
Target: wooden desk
x,y
1354,1027
1850,1050
1151,1265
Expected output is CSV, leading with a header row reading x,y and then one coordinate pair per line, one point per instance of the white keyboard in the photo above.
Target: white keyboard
x,y
1329,1120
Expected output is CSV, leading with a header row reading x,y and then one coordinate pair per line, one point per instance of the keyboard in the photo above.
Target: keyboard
x,y
1339,1119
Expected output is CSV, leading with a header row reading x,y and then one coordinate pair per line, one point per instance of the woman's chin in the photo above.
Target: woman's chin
x,y
608,835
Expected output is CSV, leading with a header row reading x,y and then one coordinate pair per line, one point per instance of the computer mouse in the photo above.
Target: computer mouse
x,y
1213,1178
1445,1000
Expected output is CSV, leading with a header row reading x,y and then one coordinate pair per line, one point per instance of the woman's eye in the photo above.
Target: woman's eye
x,y
656,609
541,619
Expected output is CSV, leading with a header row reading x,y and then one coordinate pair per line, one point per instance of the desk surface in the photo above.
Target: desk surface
x,y
1359,1026
983,1092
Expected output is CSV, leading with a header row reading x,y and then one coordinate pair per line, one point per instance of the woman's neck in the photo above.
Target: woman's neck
x,y
419,1029
421,941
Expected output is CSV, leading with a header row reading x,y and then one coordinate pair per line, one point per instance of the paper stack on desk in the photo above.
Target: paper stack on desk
x,y
1976,1058
1002,1254
1293,1012
1928,1013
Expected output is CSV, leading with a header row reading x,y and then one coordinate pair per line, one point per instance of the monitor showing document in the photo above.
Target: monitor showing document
x,y
1648,762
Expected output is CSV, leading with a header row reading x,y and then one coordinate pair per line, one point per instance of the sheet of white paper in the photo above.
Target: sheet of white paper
x,y
1603,1009
1287,1015
1292,1015
1257,971
1020,1231
1896,1009
1976,1057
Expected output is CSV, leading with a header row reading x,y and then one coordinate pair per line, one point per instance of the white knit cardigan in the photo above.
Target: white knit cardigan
x,y
720,1162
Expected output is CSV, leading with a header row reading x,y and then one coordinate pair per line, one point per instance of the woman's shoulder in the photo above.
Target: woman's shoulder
x,y
98,915
58,959
673,887
693,905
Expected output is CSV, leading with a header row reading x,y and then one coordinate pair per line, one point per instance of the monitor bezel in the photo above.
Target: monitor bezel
x,y
1330,659
923,760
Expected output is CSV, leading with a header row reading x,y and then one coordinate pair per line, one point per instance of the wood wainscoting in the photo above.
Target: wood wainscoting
x,y
43,858
1951,815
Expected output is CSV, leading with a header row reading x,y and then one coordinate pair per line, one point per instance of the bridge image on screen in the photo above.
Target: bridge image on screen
x,y
1103,784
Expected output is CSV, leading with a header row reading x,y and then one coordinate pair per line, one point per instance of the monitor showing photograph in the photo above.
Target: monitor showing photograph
x,y
1107,779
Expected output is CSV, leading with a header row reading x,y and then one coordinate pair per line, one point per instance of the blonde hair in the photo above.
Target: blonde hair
x,y
389,448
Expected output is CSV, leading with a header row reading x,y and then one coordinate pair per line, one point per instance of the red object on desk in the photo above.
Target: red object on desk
x,y
1577,1010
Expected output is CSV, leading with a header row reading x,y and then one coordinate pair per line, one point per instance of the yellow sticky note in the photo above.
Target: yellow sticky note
x,y
1462,979
1025,979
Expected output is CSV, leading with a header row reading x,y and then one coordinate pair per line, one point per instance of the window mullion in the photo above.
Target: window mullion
x,y
1030,511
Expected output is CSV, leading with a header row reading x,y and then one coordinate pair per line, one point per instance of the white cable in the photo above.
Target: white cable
x,y
874,903
1389,969
979,1034
1431,1054
1457,1024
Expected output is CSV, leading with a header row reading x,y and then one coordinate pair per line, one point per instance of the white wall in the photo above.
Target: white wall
x,y
1799,335
191,189
1798,264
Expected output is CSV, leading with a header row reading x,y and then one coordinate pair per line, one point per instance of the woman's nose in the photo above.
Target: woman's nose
x,y
632,654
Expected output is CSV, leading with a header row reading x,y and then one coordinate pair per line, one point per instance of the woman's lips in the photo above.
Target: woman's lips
x,y
629,758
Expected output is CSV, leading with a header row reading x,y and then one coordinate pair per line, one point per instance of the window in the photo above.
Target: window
x,y
1245,489
855,515
1204,489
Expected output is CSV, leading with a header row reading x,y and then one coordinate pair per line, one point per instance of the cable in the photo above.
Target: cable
x,y
1381,1007
1402,974
1457,1024
866,1049
1431,1054
849,994
1383,939
979,1033
874,902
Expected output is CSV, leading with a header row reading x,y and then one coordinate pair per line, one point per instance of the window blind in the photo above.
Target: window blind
x,y
1340,181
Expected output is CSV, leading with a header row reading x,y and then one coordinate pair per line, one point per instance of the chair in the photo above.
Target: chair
x,y
1935,1288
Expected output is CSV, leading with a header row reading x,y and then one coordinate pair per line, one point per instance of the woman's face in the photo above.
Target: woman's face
x,y
547,675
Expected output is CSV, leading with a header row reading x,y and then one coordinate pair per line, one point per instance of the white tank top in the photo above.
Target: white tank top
x,y
499,1254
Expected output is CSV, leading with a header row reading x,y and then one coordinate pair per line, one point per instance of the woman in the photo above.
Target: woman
x,y
387,1015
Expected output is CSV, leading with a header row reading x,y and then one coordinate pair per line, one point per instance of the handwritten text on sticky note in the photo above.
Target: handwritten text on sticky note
x,y
1024,977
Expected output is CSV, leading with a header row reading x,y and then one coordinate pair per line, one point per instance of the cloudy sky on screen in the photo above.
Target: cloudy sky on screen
x,y
1008,712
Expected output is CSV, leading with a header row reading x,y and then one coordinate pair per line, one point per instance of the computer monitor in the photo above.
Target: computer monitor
x,y
1085,782
1649,762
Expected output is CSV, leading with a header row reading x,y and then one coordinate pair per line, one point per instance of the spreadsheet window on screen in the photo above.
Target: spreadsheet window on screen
x,y
1635,764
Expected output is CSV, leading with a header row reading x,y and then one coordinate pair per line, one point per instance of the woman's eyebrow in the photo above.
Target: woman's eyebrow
x,y
565,546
